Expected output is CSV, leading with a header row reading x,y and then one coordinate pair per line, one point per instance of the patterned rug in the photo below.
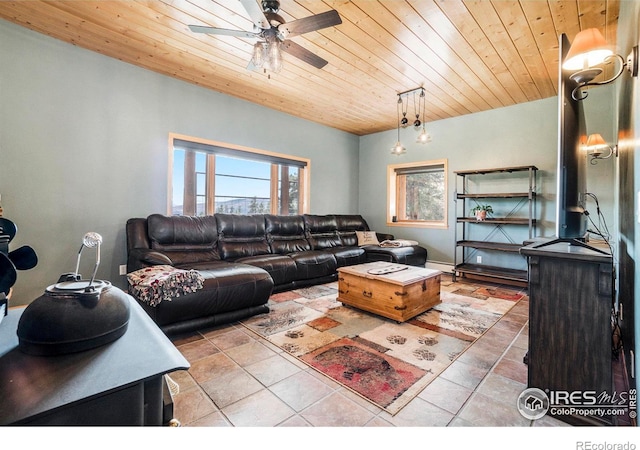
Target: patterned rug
x,y
385,362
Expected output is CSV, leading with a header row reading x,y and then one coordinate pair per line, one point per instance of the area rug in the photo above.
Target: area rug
x,y
386,362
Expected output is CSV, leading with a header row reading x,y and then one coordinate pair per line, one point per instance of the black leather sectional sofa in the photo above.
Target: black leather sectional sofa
x,y
243,259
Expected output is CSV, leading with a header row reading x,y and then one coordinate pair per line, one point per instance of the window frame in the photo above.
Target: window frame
x,y
304,181
394,201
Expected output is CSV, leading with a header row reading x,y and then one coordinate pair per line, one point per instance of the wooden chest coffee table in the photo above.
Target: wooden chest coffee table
x,y
390,290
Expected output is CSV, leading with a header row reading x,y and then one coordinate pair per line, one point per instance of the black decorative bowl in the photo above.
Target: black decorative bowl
x,y
73,316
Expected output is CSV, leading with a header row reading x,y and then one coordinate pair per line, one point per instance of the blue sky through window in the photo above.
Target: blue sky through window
x,y
255,185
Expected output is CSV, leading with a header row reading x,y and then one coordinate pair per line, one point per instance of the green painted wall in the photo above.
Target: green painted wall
x,y
83,147
520,135
512,136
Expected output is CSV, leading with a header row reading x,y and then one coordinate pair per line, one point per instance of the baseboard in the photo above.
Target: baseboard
x,y
443,267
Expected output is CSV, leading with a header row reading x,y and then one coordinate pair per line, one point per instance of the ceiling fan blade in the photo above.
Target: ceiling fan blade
x,y
223,31
303,54
256,14
311,23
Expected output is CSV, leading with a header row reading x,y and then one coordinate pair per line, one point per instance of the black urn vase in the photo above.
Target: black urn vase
x,y
73,316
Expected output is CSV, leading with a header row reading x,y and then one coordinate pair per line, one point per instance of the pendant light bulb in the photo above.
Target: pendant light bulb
x,y
258,54
398,149
274,56
423,137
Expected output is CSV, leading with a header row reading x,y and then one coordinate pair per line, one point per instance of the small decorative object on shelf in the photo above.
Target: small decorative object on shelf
x,y
481,211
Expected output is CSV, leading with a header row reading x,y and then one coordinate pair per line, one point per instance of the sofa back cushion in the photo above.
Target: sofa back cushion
x,y
348,224
184,239
322,231
285,234
240,236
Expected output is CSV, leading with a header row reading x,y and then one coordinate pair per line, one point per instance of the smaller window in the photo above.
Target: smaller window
x,y
417,194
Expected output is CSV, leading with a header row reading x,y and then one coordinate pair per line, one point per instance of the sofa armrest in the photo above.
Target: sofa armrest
x,y
384,237
145,257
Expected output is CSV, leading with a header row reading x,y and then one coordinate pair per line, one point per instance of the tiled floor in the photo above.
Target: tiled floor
x,y
238,379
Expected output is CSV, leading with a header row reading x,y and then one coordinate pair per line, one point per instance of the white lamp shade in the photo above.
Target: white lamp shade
x,y
596,143
398,149
589,49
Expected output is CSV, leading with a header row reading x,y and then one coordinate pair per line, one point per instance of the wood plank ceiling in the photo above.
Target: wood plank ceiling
x,y
470,55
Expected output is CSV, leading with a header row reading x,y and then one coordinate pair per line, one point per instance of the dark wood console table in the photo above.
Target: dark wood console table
x,y
118,384
571,292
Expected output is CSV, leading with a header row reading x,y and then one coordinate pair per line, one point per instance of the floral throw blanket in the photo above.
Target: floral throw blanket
x,y
157,283
398,243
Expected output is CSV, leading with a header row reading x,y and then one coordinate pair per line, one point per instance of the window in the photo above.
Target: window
x,y
210,177
417,194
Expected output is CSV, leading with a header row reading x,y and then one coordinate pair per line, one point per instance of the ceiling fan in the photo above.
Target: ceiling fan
x,y
272,32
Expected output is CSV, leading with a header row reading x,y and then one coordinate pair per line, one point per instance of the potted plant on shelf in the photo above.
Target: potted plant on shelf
x,y
480,211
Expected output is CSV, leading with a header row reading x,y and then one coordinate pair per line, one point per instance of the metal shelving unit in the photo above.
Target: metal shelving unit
x,y
521,214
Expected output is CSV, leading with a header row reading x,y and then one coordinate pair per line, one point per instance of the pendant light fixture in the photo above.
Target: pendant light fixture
x,y
416,109
399,149
423,137
404,106
419,106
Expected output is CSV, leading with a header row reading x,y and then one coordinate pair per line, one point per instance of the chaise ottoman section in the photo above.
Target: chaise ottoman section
x,y
230,292
414,255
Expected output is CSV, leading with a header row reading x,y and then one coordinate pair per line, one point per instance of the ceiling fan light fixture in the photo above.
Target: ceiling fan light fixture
x,y
269,26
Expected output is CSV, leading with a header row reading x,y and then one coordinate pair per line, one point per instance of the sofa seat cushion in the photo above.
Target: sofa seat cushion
x,y
281,267
314,264
348,256
411,256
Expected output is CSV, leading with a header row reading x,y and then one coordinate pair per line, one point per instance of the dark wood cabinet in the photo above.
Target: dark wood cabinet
x,y
571,292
